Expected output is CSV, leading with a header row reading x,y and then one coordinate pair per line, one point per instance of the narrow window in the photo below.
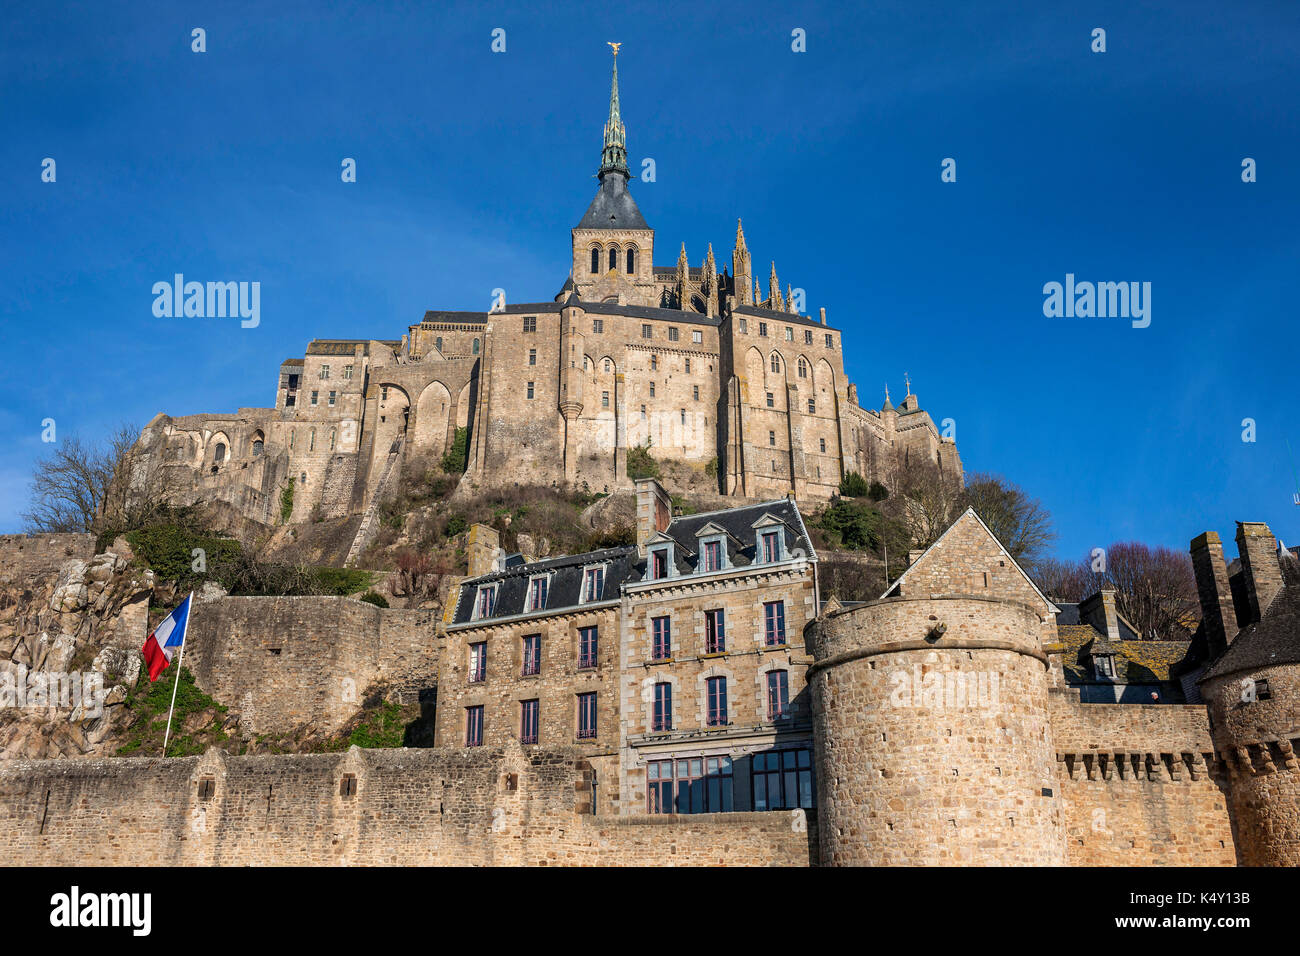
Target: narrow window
x,y
662,631
598,326
315,397
528,722
762,329
487,597
659,565
696,392
333,436
823,445
778,695
595,261
803,368
324,371
332,397
604,399
715,631
311,440
478,663
789,334
807,336
812,406
613,258
744,327
587,639
771,438
532,655
593,584
672,333
532,356
712,556
437,343
771,400
530,389
587,716
606,366
474,726
683,416
776,363
652,389
537,591
717,697
631,261
645,331
654,363
348,785
774,623
830,341
347,372
474,347
663,713
771,547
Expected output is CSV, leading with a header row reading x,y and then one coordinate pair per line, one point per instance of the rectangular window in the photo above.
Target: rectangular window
x,y
812,406
532,654
659,564
830,341
530,389
530,323
662,634
697,338
715,631
487,598
652,389
532,356
331,398
690,785
593,584
598,326
713,556
683,416
789,334
587,637
587,716
474,726
688,366
771,547
823,445
383,393
324,371
717,697
604,399
762,329
528,721
537,591
672,333
744,327
646,332
774,623
771,439
315,397
778,694
696,392
771,400
643,412
478,663
783,780
663,713
807,336
347,371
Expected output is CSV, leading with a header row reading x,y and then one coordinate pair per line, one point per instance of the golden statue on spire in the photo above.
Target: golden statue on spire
x,y
614,45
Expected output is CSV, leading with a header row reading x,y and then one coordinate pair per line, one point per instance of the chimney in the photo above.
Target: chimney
x,y
1100,611
822,312
1218,616
483,545
1257,549
654,511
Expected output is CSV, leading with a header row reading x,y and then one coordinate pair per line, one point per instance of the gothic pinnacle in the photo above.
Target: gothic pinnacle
x,y
613,158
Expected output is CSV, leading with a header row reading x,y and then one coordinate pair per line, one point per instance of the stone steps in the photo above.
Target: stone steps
x,y
369,519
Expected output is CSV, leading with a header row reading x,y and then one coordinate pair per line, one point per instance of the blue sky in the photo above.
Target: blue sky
x,y
472,167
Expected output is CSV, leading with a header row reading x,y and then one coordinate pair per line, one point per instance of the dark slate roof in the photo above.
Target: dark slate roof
x,y
345,346
1273,639
292,362
455,318
565,586
772,315
1136,662
1070,615
738,523
649,312
613,207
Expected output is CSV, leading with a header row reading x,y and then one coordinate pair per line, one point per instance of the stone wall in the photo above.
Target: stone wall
x,y
283,662
27,559
377,807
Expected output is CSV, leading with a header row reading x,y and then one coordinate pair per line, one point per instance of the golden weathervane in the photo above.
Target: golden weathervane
x,y
614,45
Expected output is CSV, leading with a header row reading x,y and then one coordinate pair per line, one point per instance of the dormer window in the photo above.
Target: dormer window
x,y
1105,665
711,556
593,584
538,588
485,602
770,546
658,564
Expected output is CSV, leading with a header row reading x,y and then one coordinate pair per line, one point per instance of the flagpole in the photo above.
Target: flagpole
x,y
177,683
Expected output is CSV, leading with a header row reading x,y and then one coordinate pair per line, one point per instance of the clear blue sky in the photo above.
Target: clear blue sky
x,y
473,167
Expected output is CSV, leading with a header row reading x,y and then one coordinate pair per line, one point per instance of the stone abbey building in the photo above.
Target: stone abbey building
x,y
710,364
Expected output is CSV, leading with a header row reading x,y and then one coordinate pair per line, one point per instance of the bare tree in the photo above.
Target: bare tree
x,y
927,501
1155,588
85,487
1067,581
1020,522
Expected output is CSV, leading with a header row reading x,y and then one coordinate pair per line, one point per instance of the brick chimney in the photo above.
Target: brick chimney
x,y
654,511
483,546
1101,612
1257,549
1218,616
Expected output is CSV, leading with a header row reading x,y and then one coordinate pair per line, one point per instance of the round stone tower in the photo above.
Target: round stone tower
x,y
933,744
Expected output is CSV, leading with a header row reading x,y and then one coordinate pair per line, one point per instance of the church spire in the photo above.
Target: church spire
x,y
613,158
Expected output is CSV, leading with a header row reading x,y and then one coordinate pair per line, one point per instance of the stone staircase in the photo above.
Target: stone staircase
x,y
370,518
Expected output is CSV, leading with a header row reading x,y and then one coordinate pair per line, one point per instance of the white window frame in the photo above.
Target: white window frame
x,y
586,597
477,614
532,581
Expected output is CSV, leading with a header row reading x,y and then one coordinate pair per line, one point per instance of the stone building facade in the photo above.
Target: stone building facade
x,y
695,361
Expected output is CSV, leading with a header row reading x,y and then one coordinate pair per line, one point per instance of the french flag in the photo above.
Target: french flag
x,y
166,639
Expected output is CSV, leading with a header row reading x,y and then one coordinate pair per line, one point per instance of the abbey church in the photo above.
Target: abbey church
x,y
697,363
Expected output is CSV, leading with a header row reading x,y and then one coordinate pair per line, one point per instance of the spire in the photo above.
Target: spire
x,y
740,239
888,406
774,290
741,267
613,158
789,298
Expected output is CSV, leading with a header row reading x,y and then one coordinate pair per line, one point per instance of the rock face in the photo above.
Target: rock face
x,y
71,626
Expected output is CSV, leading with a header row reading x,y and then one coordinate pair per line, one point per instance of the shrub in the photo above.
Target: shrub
x,y
856,526
457,456
877,491
169,550
286,501
853,485
640,463
373,597
711,469
456,524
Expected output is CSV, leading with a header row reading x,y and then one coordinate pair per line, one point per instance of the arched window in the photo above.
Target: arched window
x,y
613,257
595,261
437,343
475,347
803,368
219,454
631,261
257,448
776,363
